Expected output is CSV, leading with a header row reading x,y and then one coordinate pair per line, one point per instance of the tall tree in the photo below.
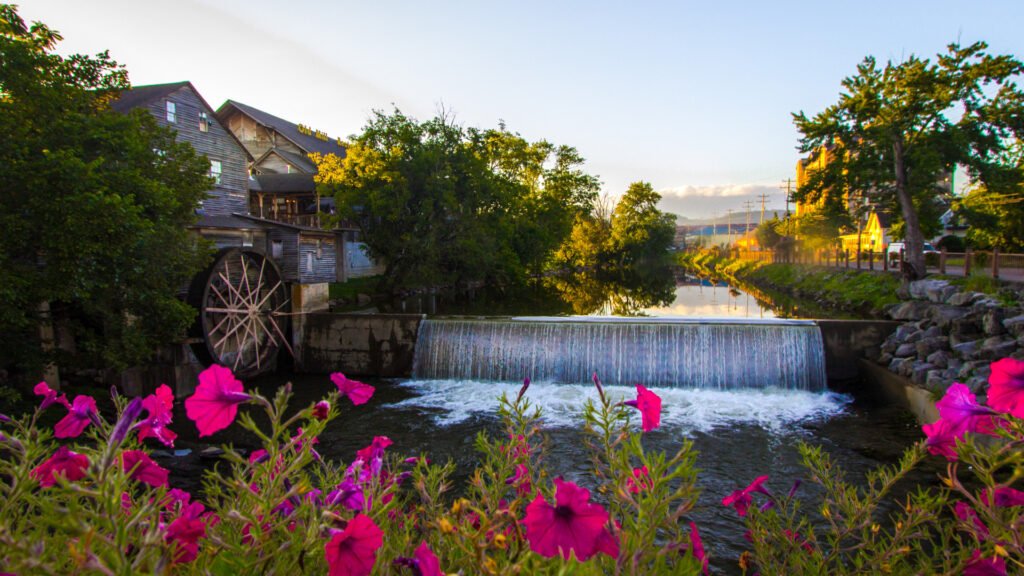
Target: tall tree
x,y
901,127
94,207
639,230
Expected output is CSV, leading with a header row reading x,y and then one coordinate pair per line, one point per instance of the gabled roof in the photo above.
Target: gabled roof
x,y
140,96
278,183
283,127
301,162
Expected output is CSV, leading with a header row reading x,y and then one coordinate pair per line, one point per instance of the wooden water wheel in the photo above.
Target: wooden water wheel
x,y
243,312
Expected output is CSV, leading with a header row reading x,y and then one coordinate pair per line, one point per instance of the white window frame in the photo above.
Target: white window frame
x,y
216,170
204,122
172,112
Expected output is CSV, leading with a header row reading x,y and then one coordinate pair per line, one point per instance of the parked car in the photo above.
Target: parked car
x,y
892,252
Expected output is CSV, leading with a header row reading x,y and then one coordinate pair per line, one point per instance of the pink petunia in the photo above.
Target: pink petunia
x,y
649,405
357,392
321,410
353,551
159,407
50,396
968,516
960,408
183,535
64,462
520,479
573,525
141,468
215,404
640,481
697,547
741,499
348,494
1006,387
375,449
80,414
427,563
942,437
978,566
1005,497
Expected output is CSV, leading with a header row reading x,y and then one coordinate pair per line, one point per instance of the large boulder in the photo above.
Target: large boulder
x,y
1014,325
912,310
937,291
927,346
964,298
944,315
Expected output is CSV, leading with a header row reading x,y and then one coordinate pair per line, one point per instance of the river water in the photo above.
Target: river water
x,y
738,434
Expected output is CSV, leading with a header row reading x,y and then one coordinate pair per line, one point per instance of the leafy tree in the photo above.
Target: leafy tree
x,y
94,207
767,233
639,230
996,219
901,127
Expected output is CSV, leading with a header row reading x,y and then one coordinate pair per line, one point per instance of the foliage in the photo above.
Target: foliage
x,y
94,207
897,130
951,243
639,231
995,218
770,233
441,204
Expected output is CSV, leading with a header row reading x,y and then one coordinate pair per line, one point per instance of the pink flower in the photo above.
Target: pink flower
x,y
64,462
741,499
649,405
141,468
80,414
183,535
979,566
158,406
520,479
697,547
348,494
1006,387
572,525
942,437
353,551
968,516
357,392
1005,497
375,449
960,408
427,563
321,409
50,396
215,404
640,481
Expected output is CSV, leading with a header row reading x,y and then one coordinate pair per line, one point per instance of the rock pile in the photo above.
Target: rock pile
x,y
949,335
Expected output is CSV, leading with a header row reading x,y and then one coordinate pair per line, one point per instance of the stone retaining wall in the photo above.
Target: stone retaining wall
x,y
357,344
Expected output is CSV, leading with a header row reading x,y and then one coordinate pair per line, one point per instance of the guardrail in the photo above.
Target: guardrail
x,y
993,264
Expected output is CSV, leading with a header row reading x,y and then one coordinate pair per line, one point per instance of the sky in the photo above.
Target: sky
x,y
693,97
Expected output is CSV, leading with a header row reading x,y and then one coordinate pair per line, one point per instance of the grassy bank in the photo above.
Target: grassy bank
x,y
861,292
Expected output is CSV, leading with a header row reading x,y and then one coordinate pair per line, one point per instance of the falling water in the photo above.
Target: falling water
x,y
704,354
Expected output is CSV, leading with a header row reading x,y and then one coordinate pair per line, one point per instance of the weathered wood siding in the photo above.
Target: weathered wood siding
x,y
289,258
358,264
314,268
232,194
258,139
224,238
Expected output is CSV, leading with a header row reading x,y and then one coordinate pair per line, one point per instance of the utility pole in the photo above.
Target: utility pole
x,y
763,197
729,225
789,192
749,205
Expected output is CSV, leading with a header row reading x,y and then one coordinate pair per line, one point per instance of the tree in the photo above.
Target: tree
x,y
902,127
639,230
767,233
94,207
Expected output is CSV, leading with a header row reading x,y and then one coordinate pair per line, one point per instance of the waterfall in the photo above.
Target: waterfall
x,y
705,354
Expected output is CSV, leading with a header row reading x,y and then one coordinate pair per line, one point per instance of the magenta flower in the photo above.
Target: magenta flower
x,y
321,410
375,449
215,404
649,405
978,566
640,481
1005,497
572,526
942,437
960,408
50,396
183,535
349,495
741,499
968,516
1006,387
64,462
357,392
80,414
141,468
353,551
697,547
423,563
520,479
159,407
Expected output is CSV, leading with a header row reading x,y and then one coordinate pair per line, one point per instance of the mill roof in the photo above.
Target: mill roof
x,y
289,130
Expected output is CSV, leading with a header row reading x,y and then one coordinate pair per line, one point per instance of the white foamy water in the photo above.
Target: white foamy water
x,y
683,409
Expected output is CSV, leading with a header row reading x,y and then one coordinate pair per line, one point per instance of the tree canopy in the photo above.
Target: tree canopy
x,y
639,230
901,128
93,206
444,204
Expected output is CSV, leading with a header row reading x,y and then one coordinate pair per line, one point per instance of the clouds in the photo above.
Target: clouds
x,y
703,201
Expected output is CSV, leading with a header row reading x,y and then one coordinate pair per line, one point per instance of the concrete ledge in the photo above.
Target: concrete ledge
x,y
357,344
884,386
847,342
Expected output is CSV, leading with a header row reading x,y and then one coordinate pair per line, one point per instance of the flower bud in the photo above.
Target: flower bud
x,y
321,409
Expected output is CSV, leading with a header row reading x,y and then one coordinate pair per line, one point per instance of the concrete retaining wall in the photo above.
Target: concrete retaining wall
x,y
848,341
357,344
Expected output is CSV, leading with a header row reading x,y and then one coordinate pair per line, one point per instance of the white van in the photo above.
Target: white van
x,y
894,249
